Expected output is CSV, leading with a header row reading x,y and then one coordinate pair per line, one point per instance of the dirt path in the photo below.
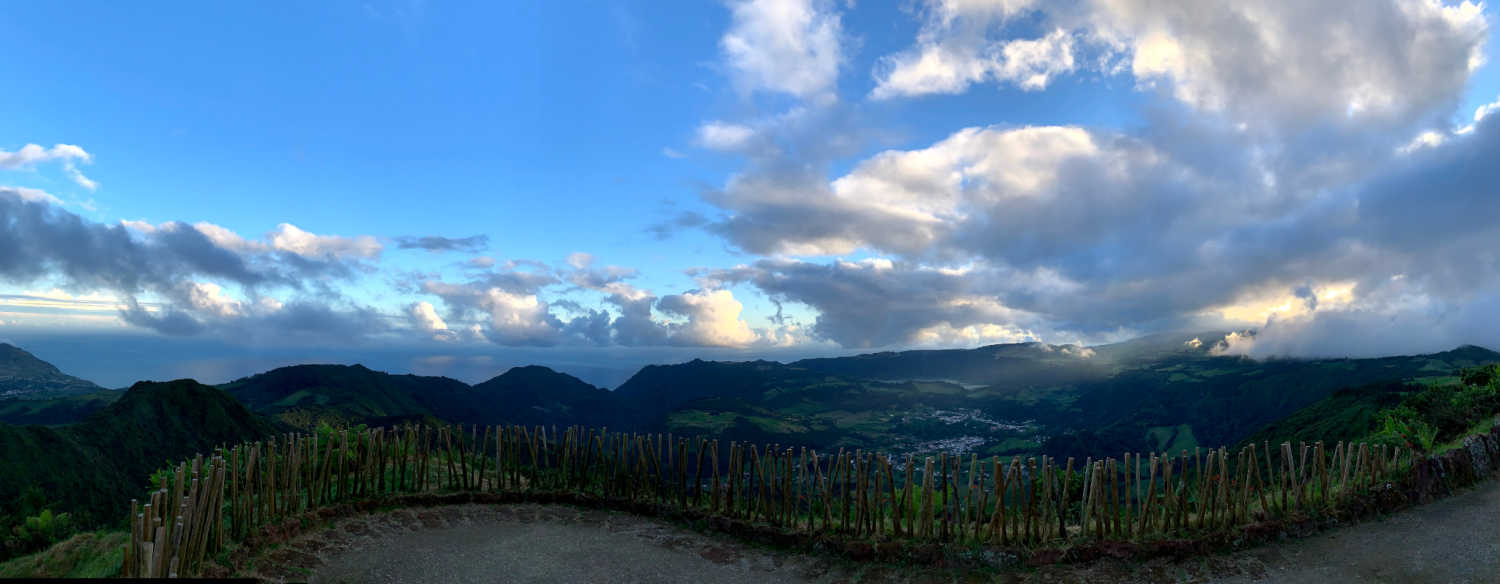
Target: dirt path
x,y
532,543
1451,541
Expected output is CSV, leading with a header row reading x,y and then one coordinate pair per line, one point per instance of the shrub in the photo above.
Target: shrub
x,y
39,532
1405,426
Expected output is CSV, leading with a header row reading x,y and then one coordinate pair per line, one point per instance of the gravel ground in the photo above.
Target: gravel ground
x,y
1455,540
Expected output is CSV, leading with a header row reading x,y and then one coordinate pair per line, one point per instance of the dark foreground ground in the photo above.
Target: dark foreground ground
x,y
1450,541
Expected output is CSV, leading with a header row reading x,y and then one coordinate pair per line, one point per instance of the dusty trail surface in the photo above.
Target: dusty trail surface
x,y
1454,540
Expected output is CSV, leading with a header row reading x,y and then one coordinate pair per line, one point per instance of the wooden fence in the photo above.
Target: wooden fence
x,y
207,502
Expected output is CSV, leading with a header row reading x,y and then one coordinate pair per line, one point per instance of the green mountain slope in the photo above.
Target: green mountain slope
x,y
1012,365
23,376
305,395
57,410
1346,414
94,467
537,395
1221,399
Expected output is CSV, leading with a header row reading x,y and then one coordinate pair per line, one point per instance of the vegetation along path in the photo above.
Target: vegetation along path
x,y
1452,540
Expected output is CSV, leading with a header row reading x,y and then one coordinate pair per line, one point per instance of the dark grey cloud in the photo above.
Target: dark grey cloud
x,y
38,239
171,322
433,243
870,304
179,263
684,220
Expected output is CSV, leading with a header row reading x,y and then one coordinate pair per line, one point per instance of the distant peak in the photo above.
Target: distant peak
x,y
525,371
24,376
532,368
531,371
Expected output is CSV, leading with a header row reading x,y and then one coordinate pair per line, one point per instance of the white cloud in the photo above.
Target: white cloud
x,y
929,69
227,239
1277,63
289,238
209,298
1032,63
947,335
30,195
79,178
786,46
32,154
580,260
69,155
713,319
907,201
267,304
1289,61
944,65
1479,114
716,135
425,318
518,319
1427,139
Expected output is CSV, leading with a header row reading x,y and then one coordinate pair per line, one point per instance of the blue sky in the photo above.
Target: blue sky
x,y
933,173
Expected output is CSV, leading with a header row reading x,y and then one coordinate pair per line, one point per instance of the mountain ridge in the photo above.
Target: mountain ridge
x,y
24,376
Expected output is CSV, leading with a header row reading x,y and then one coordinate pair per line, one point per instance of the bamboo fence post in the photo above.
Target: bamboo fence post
x,y
996,487
713,457
926,512
698,477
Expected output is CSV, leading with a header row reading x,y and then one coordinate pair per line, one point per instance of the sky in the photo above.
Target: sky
x,y
208,191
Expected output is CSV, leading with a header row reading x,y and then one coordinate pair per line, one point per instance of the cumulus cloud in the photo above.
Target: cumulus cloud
x,y
962,43
433,243
1281,63
1479,114
31,154
219,235
518,319
528,304
913,201
289,238
69,155
877,302
79,179
425,319
942,64
507,301
716,135
32,195
713,319
784,46
1291,62
1063,230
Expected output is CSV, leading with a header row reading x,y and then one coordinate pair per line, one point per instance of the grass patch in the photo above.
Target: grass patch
x,y
1172,438
95,554
699,420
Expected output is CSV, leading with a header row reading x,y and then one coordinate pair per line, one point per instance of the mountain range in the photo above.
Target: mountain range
x,y
88,450
1152,393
